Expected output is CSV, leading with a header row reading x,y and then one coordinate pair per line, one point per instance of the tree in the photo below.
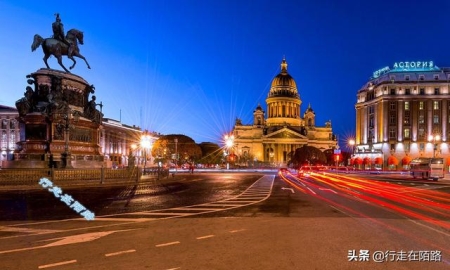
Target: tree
x,y
184,150
211,153
308,155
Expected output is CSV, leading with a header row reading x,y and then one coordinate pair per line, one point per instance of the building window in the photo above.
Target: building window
x,y
407,78
435,105
392,119
436,91
421,134
436,77
371,121
422,119
435,119
3,139
406,118
392,105
421,146
406,105
407,91
407,147
406,133
392,133
392,91
4,123
422,91
421,105
421,77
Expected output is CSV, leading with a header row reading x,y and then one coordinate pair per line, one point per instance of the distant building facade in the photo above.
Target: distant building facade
x,y
403,112
9,132
273,139
116,139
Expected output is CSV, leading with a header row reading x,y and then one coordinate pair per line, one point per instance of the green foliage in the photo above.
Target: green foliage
x,y
211,153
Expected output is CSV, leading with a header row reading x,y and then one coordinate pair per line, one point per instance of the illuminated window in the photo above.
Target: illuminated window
x,y
406,133
435,119
421,105
422,119
435,105
421,146
406,118
421,133
406,105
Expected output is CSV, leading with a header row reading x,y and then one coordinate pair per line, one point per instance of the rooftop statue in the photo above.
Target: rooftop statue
x,y
58,45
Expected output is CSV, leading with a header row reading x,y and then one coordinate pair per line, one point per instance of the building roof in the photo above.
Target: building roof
x,y
283,85
4,109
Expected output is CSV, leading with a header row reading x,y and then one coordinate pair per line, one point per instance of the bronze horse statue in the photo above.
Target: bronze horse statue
x,y
58,48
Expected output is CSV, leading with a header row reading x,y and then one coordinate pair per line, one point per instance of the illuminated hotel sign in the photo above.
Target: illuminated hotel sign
x,y
407,66
414,65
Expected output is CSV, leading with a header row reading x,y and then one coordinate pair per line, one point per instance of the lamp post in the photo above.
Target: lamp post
x,y
229,142
67,116
145,145
351,142
176,153
434,139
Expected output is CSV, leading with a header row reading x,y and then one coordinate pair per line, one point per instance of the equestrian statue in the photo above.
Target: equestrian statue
x,y
58,45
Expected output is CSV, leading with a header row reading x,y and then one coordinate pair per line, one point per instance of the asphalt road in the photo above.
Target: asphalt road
x,y
231,221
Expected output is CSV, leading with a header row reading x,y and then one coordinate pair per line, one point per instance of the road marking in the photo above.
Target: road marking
x,y
56,264
204,237
168,244
73,239
291,189
235,231
26,230
327,189
120,252
79,238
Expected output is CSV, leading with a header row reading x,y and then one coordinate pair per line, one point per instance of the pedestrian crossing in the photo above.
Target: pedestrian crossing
x,y
257,192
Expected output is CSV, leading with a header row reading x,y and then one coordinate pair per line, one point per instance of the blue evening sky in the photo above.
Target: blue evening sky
x,y
192,66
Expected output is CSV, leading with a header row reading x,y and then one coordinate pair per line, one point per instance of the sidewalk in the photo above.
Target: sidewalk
x,y
76,184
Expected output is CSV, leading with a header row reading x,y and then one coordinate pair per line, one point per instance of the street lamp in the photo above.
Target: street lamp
x,y
67,116
351,142
229,142
146,144
176,153
434,139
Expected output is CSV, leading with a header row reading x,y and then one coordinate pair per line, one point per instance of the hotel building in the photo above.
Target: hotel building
x,y
403,112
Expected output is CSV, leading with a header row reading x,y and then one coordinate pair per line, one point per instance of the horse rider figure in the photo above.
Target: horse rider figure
x,y
58,33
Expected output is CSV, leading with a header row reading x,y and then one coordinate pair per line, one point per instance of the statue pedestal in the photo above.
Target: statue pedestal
x,y
53,121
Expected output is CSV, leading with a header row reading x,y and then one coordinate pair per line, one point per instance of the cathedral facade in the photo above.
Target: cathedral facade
x,y
273,138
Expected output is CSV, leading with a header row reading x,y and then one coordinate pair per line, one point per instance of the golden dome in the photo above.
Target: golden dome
x,y
283,85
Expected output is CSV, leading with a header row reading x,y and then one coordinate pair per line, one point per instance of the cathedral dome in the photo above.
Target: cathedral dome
x,y
283,85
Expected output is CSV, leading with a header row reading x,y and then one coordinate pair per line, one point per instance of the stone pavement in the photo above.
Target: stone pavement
x,y
74,184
